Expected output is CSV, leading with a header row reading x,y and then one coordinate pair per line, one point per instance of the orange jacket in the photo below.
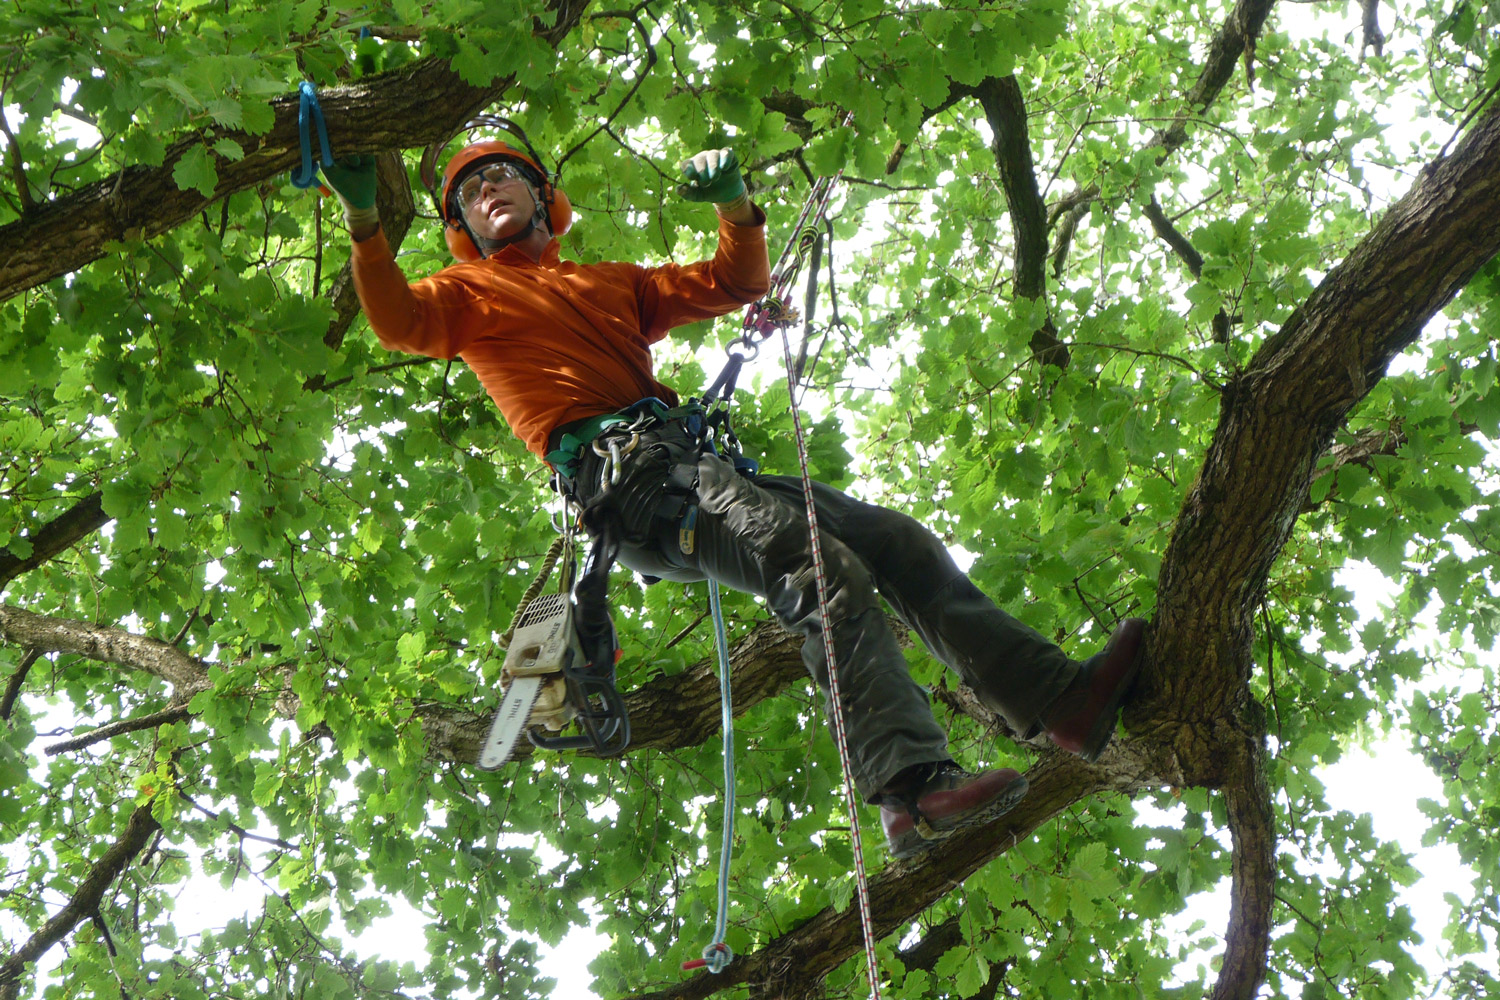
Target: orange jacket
x,y
555,341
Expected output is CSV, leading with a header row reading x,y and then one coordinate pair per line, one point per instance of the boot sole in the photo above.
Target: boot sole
x,y
915,842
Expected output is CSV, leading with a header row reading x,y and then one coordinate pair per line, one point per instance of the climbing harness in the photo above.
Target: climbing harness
x,y
310,114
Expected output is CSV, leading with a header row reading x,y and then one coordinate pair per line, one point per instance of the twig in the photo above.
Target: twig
x,y
18,167
686,632
235,828
640,77
1478,107
177,640
167,715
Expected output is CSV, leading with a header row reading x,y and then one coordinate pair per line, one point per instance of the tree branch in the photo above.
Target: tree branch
x,y
174,714
84,902
1277,418
1005,109
1190,256
14,683
665,712
1173,237
17,167
1252,829
1279,415
187,674
1373,36
1236,37
412,105
1364,445
799,959
56,536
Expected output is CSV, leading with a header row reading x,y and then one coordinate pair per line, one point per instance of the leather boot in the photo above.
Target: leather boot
x,y
1082,719
920,809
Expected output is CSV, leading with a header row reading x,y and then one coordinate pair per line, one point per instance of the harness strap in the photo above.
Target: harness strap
x,y
643,413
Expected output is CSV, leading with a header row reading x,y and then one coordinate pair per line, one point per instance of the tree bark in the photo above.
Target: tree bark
x,y
56,536
84,902
187,674
1280,414
801,958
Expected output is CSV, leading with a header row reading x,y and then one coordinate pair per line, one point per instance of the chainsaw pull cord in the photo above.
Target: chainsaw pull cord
x,y
310,113
534,591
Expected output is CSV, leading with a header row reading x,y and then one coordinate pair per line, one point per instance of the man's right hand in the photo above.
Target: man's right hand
x,y
353,180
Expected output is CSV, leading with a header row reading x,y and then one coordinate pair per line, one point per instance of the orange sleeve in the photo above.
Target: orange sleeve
x,y
738,274
430,317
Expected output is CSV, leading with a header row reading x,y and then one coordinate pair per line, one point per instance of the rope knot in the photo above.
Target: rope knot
x,y
716,958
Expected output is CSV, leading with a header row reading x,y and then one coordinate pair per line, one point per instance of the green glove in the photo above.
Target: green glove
x,y
353,180
712,175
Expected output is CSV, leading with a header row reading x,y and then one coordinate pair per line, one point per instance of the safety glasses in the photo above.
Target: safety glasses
x,y
494,173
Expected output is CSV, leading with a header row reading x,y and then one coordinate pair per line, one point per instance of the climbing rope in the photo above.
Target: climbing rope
x,y
532,592
835,698
803,239
309,113
764,317
717,955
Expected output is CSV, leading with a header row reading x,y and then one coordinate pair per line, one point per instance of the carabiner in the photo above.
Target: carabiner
x,y
612,451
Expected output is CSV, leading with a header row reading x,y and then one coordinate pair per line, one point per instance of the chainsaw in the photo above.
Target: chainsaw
x,y
560,669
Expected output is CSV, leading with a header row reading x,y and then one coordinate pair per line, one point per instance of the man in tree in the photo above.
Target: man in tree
x,y
564,351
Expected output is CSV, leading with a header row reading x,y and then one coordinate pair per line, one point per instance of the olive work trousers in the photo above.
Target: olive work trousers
x,y
751,535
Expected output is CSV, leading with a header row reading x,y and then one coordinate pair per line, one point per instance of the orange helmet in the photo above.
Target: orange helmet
x,y
550,199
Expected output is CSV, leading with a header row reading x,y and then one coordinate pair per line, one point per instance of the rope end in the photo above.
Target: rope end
x,y
716,958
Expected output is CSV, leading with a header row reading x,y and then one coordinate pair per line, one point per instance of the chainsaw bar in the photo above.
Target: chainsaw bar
x,y
510,720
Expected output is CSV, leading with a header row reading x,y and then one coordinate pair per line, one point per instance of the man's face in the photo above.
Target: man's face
x,y
496,201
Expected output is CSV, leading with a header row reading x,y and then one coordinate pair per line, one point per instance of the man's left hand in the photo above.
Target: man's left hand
x,y
713,175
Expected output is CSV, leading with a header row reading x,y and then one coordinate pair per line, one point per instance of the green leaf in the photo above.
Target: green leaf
x,y
195,170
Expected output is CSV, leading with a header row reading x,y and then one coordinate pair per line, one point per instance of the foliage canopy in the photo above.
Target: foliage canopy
x,y
1115,296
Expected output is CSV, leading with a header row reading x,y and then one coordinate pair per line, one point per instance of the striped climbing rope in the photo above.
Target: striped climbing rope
x,y
851,798
762,318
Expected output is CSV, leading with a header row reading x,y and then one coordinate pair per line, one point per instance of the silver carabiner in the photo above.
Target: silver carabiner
x,y
612,451
748,351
